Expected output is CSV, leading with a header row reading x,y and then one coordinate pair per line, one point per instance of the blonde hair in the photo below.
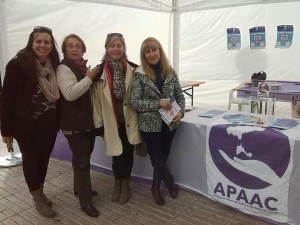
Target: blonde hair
x,y
112,37
165,66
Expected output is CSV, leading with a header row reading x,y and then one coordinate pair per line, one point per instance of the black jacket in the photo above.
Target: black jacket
x,y
16,101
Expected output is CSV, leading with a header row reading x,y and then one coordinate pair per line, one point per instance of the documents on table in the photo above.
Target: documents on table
x,y
259,120
293,91
284,123
247,119
211,113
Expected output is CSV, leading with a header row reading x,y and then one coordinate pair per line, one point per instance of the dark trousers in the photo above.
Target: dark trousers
x,y
122,164
159,145
36,147
82,145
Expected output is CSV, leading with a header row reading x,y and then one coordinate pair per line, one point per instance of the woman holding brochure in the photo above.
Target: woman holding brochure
x,y
156,88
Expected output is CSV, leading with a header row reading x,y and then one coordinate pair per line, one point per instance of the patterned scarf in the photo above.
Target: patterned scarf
x,y
118,72
49,87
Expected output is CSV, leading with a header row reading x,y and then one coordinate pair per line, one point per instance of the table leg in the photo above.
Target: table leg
x,y
260,107
253,106
192,97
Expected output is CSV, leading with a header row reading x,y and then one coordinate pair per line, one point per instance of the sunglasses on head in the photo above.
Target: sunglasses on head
x,y
114,34
41,29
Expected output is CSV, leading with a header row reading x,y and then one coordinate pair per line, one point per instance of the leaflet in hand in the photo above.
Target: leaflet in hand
x,y
168,115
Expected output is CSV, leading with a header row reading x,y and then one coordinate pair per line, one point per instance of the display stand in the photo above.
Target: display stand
x,y
12,159
263,97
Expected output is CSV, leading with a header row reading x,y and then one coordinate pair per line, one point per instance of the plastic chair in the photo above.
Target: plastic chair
x,y
239,101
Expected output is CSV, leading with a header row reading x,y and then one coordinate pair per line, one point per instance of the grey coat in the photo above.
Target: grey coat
x,y
145,98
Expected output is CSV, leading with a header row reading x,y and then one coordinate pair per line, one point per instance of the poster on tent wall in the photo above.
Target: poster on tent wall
x,y
284,36
257,37
233,39
241,172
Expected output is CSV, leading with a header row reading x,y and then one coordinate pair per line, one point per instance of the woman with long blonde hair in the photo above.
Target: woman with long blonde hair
x,y
153,84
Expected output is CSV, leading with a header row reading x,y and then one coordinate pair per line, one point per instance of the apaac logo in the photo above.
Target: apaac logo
x,y
263,87
249,156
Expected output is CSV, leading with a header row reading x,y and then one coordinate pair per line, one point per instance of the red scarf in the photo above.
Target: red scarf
x,y
110,85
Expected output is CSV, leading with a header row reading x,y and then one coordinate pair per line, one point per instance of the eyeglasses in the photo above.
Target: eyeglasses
x,y
71,47
114,34
41,29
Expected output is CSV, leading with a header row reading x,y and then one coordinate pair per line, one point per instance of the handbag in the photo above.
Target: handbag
x,y
141,149
256,77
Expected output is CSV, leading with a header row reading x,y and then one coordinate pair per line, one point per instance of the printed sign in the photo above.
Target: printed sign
x,y
263,89
284,36
295,106
257,37
233,39
241,172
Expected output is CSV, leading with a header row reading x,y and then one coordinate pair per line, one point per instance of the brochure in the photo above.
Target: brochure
x,y
211,113
284,123
246,119
236,118
168,115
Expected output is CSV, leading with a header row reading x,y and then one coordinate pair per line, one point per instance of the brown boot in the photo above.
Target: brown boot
x,y
41,204
46,199
159,200
117,190
125,191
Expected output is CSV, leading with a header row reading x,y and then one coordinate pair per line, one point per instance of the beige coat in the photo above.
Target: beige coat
x,y
104,111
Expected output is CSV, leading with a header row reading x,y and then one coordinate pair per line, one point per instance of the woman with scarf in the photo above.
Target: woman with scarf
x,y
119,119
30,110
154,82
76,118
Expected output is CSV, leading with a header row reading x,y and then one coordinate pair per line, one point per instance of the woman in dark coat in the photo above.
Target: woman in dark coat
x,y
30,110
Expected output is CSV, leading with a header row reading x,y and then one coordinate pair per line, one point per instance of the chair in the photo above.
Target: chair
x,y
263,105
239,101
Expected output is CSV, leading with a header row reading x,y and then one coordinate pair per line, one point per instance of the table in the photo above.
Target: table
x,y
188,88
279,91
284,92
191,164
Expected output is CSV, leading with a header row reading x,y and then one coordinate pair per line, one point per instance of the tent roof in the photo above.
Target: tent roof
x,y
182,5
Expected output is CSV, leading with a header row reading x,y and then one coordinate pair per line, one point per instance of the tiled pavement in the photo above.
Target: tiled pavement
x,y
16,206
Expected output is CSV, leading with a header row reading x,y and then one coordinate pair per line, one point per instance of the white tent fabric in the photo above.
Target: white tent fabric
x,y
193,33
203,52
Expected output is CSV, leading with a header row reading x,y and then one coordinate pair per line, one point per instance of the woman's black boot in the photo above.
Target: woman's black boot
x,y
169,181
159,200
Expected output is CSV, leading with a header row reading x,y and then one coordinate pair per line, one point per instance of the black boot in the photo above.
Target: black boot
x,y
159,200
169,181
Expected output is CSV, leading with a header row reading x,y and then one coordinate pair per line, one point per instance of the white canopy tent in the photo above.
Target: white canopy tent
x,y
193,33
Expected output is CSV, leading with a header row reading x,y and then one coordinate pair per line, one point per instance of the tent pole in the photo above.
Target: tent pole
x,y
176,35
3,39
